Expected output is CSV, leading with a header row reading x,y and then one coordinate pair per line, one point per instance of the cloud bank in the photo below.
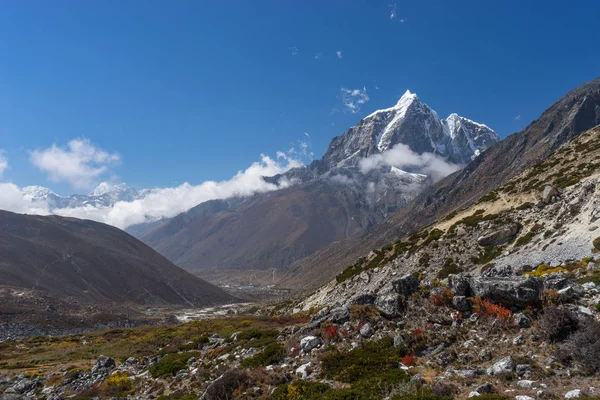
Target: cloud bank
x,y
401,156
79,163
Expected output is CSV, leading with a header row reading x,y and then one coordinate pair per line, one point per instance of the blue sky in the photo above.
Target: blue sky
x,y
197,90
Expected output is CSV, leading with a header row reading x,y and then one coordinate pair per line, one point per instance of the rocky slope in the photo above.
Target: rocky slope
x,y
576,112
94,263
334,198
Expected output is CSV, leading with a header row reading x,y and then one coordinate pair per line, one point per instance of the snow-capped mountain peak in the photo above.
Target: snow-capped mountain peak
x,y
37,192
105,188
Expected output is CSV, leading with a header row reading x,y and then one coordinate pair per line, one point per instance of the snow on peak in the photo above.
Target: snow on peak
x,y
407,97
105,188
37,192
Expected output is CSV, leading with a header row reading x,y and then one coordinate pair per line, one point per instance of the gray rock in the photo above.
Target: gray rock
x,y
102,368
406,285
574,394
308,343
485,355
390,304
486,388
398,340
462,303
502,366
509,292
518,340
549,193
469,373
460,285
499,236
523,369
363,299
522,321
366,331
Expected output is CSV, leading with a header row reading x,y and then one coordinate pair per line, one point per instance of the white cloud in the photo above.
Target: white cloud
x,y
158,203
318,56
393,12
518,118
354,98
401,156
294,50
339,54
3,162
169,202
12,199
79,163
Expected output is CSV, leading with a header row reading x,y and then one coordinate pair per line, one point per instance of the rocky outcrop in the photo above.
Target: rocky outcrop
x,y
499,236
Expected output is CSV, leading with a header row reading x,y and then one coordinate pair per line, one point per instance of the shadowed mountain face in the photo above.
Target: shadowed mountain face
x,y
332,199
93,262
573,114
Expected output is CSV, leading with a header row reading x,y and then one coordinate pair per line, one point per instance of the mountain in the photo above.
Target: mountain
x,y
104,195
92,262
344,194
576,112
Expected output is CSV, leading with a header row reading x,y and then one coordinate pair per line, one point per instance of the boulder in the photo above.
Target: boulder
x,y
462,303
522,321
509,292
308,343
366,331
502,366
574,394
102,368
499,236
460,285
363,299
549,193
390,304
486,388
406,285
302,371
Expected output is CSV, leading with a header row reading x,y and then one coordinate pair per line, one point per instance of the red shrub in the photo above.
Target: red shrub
x,y
409,360
331,331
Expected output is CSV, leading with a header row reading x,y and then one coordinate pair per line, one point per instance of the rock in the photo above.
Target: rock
x,y
557,280
406,285
574,394
522,321
474,394
549,193
502,366
363,299
366,331
460,285
398,340
417,379
518,340
102,368
462,303
567,294
469,373
509,292
523,369
499,236
390,304
524,398
485,355
486,388
308,343
339,315
525,384
302,370
23,386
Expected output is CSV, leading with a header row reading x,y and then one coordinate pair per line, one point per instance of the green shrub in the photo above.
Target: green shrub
x,y
449,268
170,364
525,206
373,358
596,243
489,253
272,354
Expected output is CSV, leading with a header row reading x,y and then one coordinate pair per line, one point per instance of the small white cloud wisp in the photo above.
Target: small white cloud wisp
x,y
79,162
401,156
354,98
3,162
